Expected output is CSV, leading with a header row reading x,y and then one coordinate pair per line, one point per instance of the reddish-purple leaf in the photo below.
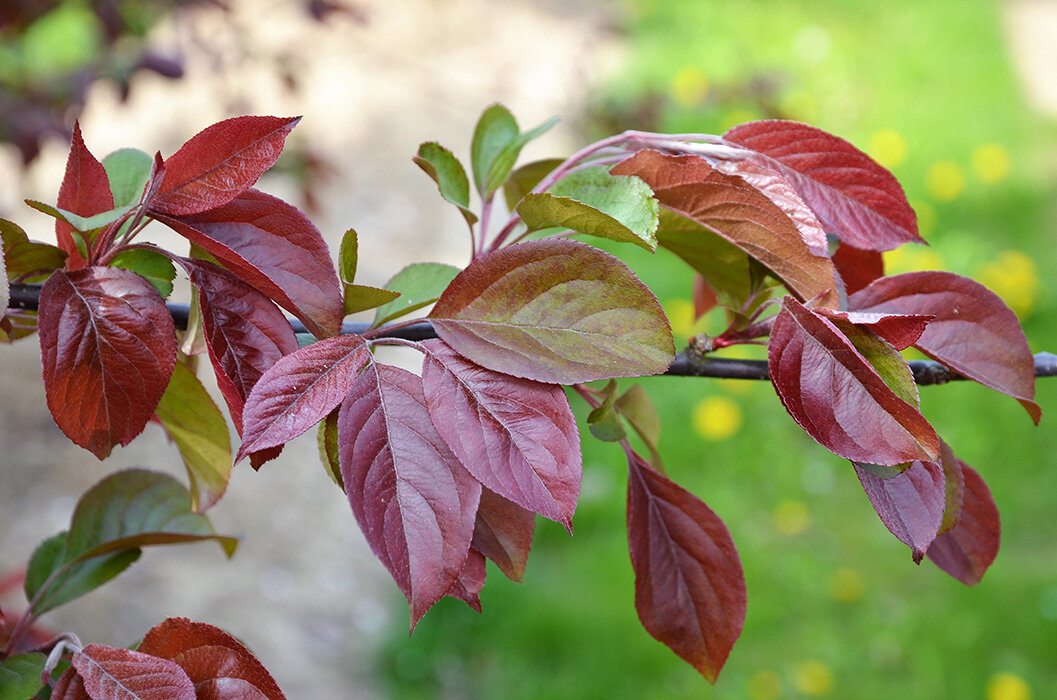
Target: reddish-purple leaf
x,y
69,686
85,191
274,247
731,208
856,199
966,551
838,397
857,267
218,664
503,533
556,311
910,503
109,673
467,587
300,390
244,331
705,298
972,331
414,501
689,586
108,346
220,163
516,436
901,330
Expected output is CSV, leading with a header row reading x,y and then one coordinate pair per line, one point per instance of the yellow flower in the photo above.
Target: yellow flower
x,y
1014,277
846,585
888,147
1007,686
765,685
945,180
991,162
813,678
791,518
690,86
717,418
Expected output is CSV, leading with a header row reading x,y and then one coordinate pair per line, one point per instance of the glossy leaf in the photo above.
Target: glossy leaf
x,y
300,390
218,664
503,533
419,285
524,179
468,585
596,203
25,260
446,170
910,504
967,551
856,199
149,264
109,673
497,142
857,267
883,357
901,330
732,208
972,331
414,501
108,346
348,256
20,675
128,171
517,437
360,297
220,163
274,247
200,432
78,579
689,586
85,191
556,311
838,397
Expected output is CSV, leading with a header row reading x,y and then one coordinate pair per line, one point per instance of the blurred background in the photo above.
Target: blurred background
x,y
959,99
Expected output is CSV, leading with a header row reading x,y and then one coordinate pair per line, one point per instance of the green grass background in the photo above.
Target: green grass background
x,y
938,73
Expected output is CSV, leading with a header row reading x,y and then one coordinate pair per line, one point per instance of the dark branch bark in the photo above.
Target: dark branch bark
x,y
26,296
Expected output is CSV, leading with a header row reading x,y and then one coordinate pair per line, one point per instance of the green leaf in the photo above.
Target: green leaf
x,y
20,675
497,142
24,259
446,170
419,284
198,428
348,256
112,521
128,170
723,265
524,179
89,224
327,441
638,410
884,358
507,157
621,208
603,422
152,265
360,297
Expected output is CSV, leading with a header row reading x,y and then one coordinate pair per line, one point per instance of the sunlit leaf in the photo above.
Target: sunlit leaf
x,y
85,191
360,297
128,170
419,285
26,260
109,673
152,265
446,170
883,357
503,533
723,265
555,310
497,142
967,551
87,225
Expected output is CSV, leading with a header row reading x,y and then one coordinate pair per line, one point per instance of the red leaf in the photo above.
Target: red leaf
x,y
516,436
122,674
108,347
85,191
300,390
244,331
503,533
856,199
901,330
838,397
69,686
705,298
274,247
731,208
219,665
220,163
414,501
467,587
910,503
689,586
973,331
857,267
967,551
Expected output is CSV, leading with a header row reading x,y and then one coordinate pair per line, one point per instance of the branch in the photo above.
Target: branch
x,y
686,364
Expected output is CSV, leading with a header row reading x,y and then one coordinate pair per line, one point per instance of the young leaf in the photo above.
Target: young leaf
x,y
604,422
83,577
599,204
517,437
87,225
856,199
967,551
503,533
722,265
689,586
200,432
857,267
217,663
640,413
220,163
732,208
838,397
414,501
24,259
327,441
524,179
152,265
555,311
360,297
467,587
446,170
274,247
85,191
109,673
972,331
910,503
497,142
20,675
417,285
128,170
348,256
300,390
108,346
